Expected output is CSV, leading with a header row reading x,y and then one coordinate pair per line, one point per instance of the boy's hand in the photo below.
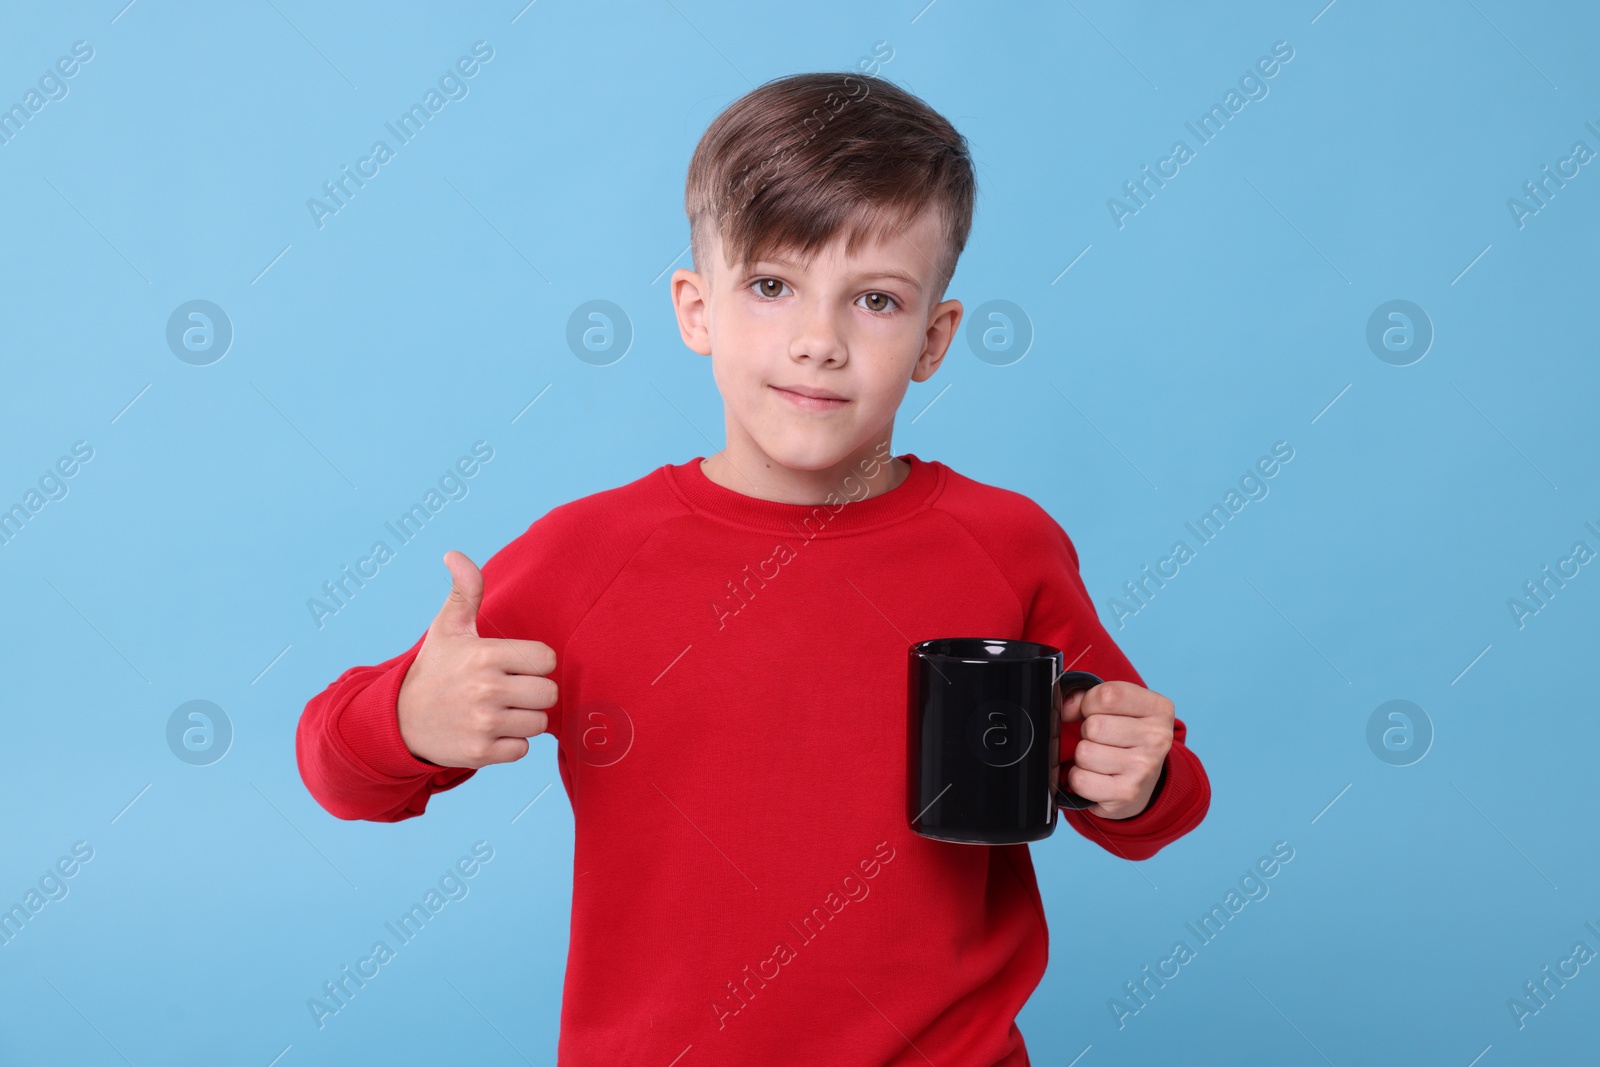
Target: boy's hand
x,y
1126,733
468,701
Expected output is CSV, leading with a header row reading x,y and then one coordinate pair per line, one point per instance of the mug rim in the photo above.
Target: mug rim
x,y
946,648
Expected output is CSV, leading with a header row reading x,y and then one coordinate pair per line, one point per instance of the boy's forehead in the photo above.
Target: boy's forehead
x,y
911,247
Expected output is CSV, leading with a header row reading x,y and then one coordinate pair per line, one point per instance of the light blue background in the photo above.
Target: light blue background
x,y
1226,315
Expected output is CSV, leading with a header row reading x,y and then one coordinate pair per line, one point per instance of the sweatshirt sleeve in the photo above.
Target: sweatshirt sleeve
x,y
350,752
348,746
1060,613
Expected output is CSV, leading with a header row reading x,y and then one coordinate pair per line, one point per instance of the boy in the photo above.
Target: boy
x,y
719,648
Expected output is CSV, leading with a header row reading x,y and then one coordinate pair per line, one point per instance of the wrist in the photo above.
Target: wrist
x,y
1155,794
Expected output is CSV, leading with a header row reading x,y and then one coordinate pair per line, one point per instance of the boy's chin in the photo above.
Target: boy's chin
x,y
808,455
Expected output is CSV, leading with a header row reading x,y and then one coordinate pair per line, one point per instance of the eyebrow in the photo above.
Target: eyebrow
x,y
881,272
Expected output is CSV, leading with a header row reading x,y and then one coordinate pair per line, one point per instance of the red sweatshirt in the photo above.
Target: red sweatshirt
x,y
731,735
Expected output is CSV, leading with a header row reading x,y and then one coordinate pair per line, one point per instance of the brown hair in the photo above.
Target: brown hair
x,y
791,164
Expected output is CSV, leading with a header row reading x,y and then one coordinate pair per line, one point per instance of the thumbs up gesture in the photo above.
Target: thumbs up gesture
x,y
1125,736
468,701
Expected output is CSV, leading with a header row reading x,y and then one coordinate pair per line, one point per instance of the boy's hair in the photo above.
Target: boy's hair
x,y
791,164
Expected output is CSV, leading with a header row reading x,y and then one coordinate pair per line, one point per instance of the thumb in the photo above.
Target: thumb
x,y
459,615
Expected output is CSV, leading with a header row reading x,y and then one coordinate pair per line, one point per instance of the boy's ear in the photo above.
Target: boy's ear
x,y
691,302
943,322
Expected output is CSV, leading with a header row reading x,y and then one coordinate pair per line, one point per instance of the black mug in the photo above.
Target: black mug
x,y
984,738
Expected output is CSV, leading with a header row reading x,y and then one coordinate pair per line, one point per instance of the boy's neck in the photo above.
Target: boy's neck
x,y
758,475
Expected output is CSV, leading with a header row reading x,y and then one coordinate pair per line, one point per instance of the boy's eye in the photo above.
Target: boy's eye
x,y
772,288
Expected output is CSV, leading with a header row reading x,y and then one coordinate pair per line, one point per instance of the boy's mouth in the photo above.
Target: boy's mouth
x,y
810,399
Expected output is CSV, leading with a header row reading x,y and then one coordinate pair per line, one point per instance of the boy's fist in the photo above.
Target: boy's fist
x,y
468,701
1125,736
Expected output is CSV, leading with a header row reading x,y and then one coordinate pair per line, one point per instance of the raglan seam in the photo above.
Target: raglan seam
x,y
659,527
620,572
1021,607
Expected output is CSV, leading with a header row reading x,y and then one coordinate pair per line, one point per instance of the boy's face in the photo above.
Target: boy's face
x,y
860,328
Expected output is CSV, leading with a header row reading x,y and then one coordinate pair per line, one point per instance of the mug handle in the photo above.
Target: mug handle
x,y
1071,681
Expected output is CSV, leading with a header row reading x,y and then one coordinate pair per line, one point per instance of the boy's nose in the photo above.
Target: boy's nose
x,y
820,339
